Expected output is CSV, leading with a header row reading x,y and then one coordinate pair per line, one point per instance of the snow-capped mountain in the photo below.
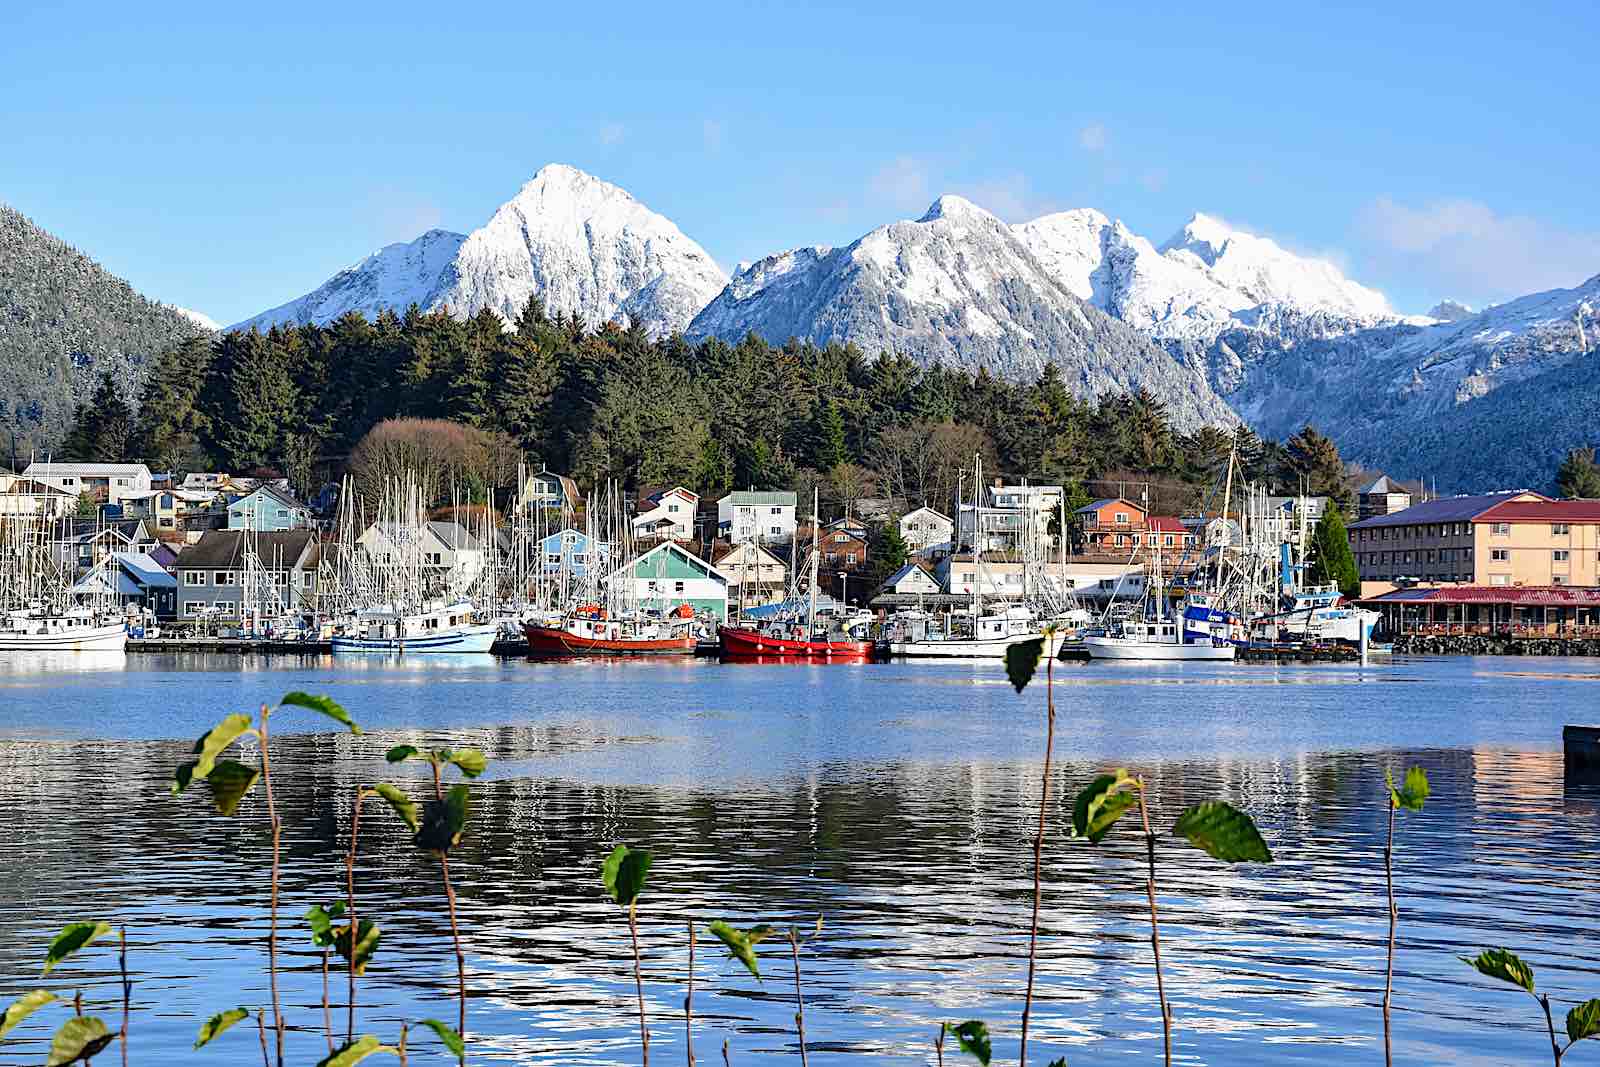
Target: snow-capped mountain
x,y
586,246
960,287
205,322
1450,311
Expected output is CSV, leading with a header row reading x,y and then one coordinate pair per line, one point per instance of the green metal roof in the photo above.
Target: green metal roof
x,y
761,498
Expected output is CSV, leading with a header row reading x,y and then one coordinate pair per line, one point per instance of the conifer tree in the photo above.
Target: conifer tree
x,y
1331,558
828,448
1579,476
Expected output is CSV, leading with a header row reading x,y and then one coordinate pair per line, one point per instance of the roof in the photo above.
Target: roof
x,y
1166,524
273,491
905,572
95,470
1445,509
146,570
760,498
748,546
1096,505
222,548
1383,485
1543,511
454,535
935,512
1566,596
34,487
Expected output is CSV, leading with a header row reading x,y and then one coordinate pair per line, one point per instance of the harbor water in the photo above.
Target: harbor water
x,y
898,801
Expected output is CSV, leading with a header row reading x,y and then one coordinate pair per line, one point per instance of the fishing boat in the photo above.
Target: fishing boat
x,y
1154,639
592,631
70,631
1316,612
445,628
41,608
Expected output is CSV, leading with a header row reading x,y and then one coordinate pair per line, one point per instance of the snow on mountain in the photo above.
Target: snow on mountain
x,y
957,286
205,322
1450,311
586,246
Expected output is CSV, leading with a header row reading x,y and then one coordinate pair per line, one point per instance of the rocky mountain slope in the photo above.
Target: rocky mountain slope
x,y
585,245
64,320
960,287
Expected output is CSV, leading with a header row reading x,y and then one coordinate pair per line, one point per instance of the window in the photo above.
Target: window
x,y
1167,540
840,538
1499,579
677,587
224,607
194,578
1560,555
1122,518
192,607
1500,555
672,509
222,578
1558,579
1560,529
1500,529
776,511
775,530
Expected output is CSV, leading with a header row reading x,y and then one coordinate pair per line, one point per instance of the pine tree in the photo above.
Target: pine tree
x,y
102,429
828,439
1331,558
1315,460
888,551
1579,476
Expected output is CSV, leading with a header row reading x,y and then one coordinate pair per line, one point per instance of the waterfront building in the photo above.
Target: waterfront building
x,y
669,576
1547,610
211,571
134,579
205,481
268,508
843,545
1011,517
1518,538
1383,496
1110,525
668,514
107,483
925,528
1289,520
755,574
754,515
571,548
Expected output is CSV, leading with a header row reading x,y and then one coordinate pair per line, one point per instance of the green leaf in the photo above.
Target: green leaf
x,y
1061,1062
321,921
470,761
973,1037
72,937
401,753
1101,803
327,705
451,1039
367,936
1504,965
742,943
229,782
23,1007
403,805
1224,832
444,823
79,1038
1584,1020
218,1023
355,1052
1413,793
1022,659
209,747
624,873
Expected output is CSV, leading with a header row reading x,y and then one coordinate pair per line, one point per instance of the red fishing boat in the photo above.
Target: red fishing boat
x,y
590,632
790,643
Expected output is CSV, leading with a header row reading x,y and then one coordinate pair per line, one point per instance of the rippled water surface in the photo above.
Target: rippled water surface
x,y
896,800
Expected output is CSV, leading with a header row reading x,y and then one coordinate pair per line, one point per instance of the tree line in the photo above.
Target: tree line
x,y
612,403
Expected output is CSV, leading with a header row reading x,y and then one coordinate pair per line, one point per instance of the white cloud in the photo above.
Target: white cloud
x,y
1092,138
611,133
712,131
1465,247
902,183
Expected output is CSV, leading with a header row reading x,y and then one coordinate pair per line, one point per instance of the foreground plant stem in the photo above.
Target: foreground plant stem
x,y
127,987
1038,847
688,1003
455,930
638,984
1155,927
938,1046
1550,1024
1388,980
350,911
799,999
272,930
327,1012
261,1031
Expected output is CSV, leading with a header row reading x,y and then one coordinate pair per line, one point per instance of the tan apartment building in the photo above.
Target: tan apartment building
x,y
1509,539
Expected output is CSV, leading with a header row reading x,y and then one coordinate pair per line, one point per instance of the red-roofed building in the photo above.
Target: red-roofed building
x,y
1478,609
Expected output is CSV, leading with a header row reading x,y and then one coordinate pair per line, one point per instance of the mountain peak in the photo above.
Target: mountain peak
x,y
1450,311
1204,235
951,206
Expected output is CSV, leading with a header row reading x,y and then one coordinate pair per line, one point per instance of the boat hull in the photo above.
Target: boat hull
x,y
1118,648
464,639
111,638
554,641
736,642
957,648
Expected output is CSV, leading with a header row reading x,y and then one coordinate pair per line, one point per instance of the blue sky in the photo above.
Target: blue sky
x,y
231,160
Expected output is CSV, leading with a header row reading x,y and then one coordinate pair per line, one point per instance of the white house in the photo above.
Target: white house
x,y
924,527
30,496
1006,514
669,576
749,515
755,576
108,483
911,579
449,553
670,515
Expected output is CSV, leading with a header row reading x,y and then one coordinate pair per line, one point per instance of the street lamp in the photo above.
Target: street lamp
x,y
844,585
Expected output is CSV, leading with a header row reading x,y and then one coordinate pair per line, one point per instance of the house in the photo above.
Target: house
x,y
549,492
449,555
133,579
1383,497
204,482
911,580
1289,520
667,515
755,574
1168,535
669,575
570,549
997,577
30,496
213,573
843,545
1110,525
923,528
751,515
268,508
1214,531
107,483
1442,540
85,542
167,508
1009,518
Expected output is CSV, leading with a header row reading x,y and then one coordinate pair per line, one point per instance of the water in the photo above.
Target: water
x,y
896,800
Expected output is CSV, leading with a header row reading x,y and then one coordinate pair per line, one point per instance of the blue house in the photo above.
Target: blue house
x,y
268,509
572,547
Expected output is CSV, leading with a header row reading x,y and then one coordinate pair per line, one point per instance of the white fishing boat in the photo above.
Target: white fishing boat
x,y
446,628
1158,639
72,631
990,636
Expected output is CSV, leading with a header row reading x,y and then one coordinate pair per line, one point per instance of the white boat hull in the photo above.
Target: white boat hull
x,y
1122,648
959,648
461,639
109,638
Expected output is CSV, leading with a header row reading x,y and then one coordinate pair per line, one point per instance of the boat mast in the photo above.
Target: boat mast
x,y
816,551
